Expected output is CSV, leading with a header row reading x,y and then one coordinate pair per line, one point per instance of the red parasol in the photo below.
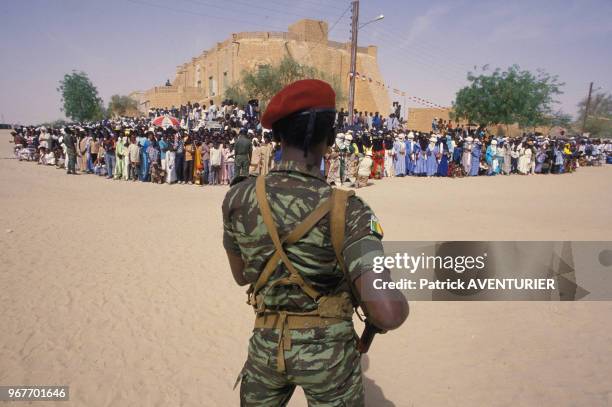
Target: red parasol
x,y
166,121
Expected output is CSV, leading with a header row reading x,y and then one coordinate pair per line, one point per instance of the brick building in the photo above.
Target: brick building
x,y
207,76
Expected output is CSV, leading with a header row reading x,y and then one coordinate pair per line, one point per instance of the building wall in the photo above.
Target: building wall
x,y
206,76
420,119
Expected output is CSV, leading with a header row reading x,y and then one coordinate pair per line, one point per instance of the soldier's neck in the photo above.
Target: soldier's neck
x,y
313,158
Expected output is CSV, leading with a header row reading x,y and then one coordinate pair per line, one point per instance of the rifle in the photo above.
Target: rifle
x,y
367,336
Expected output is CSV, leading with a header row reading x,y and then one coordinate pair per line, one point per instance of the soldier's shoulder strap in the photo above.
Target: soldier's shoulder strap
x,y
340,199
266,213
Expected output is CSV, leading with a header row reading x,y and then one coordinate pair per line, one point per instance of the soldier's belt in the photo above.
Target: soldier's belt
x,y
272,320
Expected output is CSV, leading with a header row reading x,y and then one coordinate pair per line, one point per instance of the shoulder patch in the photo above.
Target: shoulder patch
x,y
375,227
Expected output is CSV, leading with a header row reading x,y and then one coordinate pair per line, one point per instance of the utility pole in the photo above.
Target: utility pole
x,y
586,108
353,69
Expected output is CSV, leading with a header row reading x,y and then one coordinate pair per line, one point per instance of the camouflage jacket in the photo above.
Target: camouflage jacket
x,y
294,191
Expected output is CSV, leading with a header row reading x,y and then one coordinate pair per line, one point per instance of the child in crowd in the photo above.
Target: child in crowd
x,y
134,157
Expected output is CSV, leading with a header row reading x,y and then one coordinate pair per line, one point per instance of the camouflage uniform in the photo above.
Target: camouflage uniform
x,y
70,142
324,361
242,151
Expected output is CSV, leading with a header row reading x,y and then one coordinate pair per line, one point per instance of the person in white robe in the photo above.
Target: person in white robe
x,y
170,167
466,157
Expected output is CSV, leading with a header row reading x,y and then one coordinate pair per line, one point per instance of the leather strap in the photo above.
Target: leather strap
x,y
271,320
337,225
266,213
296,234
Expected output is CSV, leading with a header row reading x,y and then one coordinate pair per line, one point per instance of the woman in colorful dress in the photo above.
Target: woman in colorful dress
x,y
540,158
378,155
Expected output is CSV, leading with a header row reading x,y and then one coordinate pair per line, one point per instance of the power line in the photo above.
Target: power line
x,y
410,60
327,4
190,12
226,7
417,61
339,18
449,68
424,47
305,6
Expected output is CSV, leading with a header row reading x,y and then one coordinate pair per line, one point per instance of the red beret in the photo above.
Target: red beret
x,y
298,96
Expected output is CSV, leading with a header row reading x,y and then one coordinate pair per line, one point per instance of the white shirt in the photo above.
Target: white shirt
x,y
212,112
215,156
365,167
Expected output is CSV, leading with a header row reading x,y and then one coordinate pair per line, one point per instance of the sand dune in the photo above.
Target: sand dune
x,y
122,291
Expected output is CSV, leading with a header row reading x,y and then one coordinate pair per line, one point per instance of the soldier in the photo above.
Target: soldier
x,y
306,250
243,150
71,150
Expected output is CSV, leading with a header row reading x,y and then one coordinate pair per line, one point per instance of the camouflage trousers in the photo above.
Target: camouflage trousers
x,y
241,165
323,361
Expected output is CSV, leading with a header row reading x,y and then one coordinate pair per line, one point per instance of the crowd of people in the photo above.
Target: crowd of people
x,y
458,153
131,150
190,115
373,147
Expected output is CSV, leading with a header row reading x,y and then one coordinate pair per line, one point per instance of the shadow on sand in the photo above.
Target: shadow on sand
x,y
373,393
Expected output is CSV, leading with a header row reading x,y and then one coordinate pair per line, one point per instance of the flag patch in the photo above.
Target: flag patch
x,y
375,227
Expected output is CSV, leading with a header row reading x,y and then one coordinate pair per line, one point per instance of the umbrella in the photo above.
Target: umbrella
x,y
165,121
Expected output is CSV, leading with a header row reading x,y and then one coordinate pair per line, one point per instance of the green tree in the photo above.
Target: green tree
x,y
265,81
599,121
508,97
119,105
80,98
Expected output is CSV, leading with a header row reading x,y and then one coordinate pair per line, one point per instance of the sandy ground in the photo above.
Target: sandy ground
x,y
122,291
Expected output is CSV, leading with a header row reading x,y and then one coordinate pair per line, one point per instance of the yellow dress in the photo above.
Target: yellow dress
x,y
197,165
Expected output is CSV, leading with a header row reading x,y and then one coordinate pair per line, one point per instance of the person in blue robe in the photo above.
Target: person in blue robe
x,y
475,161
457,153
432,162
144,158
450,145
399,149
443,153
409,154
420,159
498,160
